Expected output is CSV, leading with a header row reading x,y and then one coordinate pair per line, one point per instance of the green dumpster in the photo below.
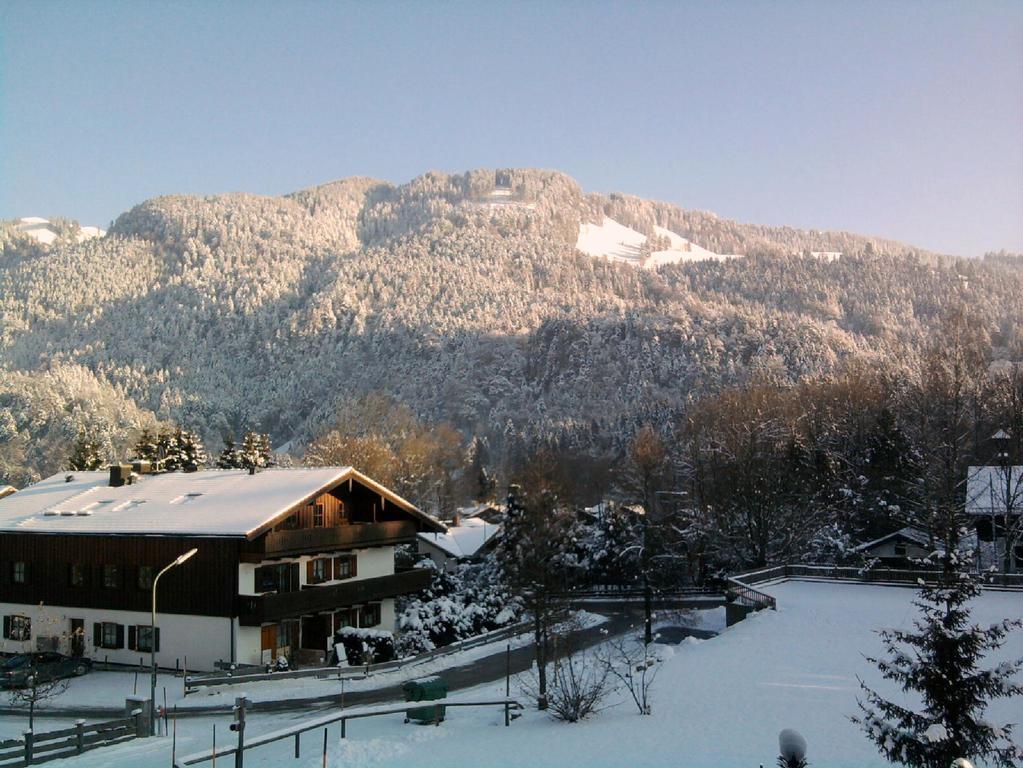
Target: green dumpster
x,y
425,689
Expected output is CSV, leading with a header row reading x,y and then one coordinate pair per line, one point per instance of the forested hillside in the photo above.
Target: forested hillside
x,y
462,297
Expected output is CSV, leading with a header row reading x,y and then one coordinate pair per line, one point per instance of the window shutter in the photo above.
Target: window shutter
x,y
97,634
309,572
354,565
7,627
156,640
120,636
328,569
132,638
294,578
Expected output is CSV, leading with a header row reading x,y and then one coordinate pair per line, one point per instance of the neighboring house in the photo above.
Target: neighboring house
x,y
285,558
994,498
900,548
489,512
464,541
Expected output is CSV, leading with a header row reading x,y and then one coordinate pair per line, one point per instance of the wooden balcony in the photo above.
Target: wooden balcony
x,y
307,541
257,609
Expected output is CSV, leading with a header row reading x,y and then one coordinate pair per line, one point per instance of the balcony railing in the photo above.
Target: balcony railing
x,y
257,609
311,540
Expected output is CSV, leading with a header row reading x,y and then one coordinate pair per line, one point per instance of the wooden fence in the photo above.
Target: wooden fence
x,y
295,732
35,748
195,682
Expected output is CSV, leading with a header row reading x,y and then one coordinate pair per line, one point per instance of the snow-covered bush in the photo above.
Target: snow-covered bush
x,y
455,606
366,646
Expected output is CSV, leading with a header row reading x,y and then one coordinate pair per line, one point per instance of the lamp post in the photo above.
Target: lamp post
x,y
152,642
1001,439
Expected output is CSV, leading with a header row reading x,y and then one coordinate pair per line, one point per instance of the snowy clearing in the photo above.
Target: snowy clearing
x,y
718,703
617,242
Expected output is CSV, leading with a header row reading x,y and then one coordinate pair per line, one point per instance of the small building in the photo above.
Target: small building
x,y
467,540
994,499
900,548
285,558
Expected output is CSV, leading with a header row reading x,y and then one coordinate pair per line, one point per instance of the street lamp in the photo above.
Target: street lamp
x,y
152,642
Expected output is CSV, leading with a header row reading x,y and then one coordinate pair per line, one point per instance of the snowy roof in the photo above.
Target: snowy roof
x,y
465,540
987,490
915,535
215,502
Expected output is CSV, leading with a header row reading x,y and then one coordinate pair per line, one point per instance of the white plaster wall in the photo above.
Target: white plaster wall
x,y
246,578
388,618
378,561
201,639
248,641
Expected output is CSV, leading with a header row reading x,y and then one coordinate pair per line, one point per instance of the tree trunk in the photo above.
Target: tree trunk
x,y
541,657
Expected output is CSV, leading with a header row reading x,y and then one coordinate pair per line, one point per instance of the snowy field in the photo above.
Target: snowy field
x,y
717,704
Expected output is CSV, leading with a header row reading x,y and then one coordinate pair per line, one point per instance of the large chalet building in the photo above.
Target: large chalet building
x,y
285,558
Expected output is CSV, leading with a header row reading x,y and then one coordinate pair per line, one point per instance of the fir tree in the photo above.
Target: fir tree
x,y
192,452
231,456
168,449
146,448
256,452
938,661
86,454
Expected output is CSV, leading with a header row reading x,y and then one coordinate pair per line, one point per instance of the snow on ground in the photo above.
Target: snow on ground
x,y
617,242
718,703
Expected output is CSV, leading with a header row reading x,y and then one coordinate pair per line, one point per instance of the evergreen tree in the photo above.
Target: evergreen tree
x,y
192,452
231,456
536,557
86,454
168,450
146,447
938,660
256,452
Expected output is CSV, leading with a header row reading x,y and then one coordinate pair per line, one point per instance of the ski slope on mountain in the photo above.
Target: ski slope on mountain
x,y
616,242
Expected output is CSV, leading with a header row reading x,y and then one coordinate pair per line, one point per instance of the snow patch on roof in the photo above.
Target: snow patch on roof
x,y
219,502
465,540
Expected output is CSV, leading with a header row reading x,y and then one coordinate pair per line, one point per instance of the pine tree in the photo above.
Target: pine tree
x,y
146,447
938,661
229,457
192,451
86,454
256,452
537,560
168,450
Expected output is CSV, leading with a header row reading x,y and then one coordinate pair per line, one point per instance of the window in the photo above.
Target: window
x,y
345,566
139,638
19,573
76,575
111,578
107,634
145,579
369,615
318,571
277,578
317,515
17,628
900,549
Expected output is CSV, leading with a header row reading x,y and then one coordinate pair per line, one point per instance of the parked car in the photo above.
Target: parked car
x,y
15,670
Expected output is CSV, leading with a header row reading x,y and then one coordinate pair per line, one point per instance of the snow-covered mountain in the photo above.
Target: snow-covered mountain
x,y
506,303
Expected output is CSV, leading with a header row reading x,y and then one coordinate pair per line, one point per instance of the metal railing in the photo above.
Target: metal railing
x,y
745,595
195,682
295,732
876,574
34,748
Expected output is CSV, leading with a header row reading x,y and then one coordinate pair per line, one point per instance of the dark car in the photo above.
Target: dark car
x,y
16,670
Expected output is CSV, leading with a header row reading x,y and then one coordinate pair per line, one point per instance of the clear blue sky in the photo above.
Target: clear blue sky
x,y
897,119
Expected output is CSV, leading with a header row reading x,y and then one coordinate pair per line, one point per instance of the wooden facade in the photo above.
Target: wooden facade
x,y
206,587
